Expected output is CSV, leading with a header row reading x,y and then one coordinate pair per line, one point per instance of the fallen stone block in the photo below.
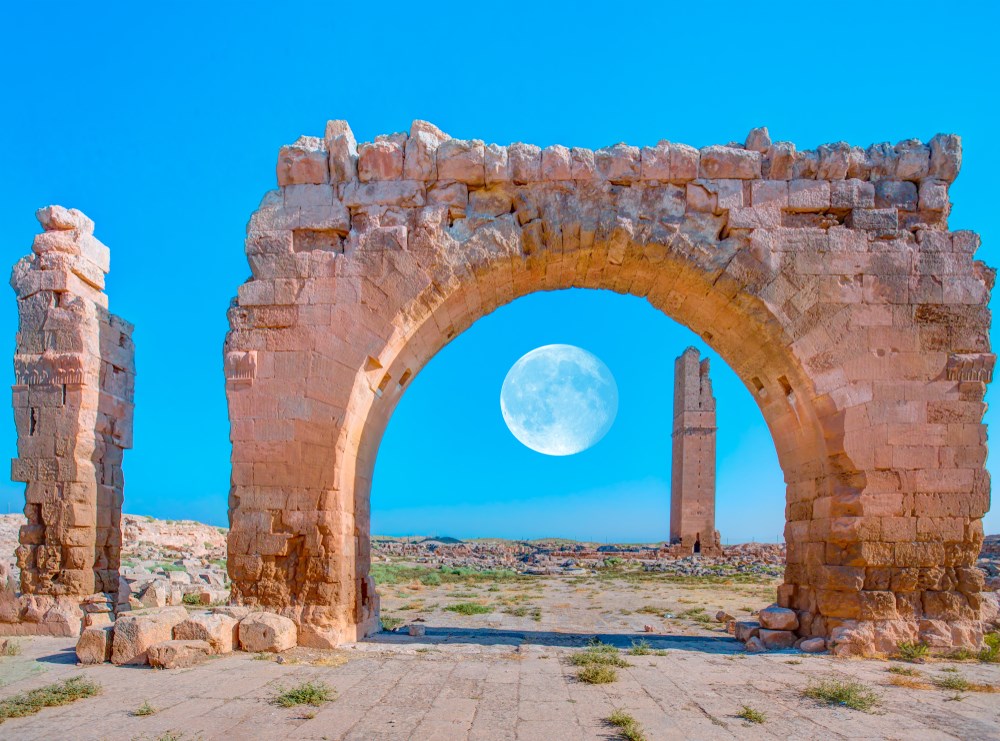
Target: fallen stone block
x,y
221,632
136,632
813,645
94,646
755,646
744,630
778,618
234,611
417,630
265,631
723,617
775,640
178,654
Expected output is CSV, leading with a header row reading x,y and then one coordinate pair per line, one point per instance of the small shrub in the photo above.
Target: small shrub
x,y
903,671
850,694
991,654
307,693
598,674
955,682
10,647
640,648
431,580
390,623
629,728
910,651
144,710
191,599
598,654
51,695
747,713
961,654
469,608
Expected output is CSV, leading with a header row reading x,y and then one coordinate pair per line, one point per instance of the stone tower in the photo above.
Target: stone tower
x,y
692,486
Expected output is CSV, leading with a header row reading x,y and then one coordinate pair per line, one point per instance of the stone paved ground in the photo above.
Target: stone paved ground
x,y
486,685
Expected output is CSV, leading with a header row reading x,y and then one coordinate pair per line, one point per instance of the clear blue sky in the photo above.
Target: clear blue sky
x,y
163,122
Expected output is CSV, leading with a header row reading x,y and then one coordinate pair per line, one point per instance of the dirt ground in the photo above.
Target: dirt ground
x,y
505,671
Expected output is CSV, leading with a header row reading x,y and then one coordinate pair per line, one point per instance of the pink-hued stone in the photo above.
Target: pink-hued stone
x,y
618,164
730,162
461,160
380,160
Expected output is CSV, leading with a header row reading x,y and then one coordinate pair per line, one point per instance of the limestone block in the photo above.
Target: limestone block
x,y
497,164
913,160
618,164
813,645
878,220
462,160
343,152
655,162
683,163
525,162
946,157
834,161
899,194
94,646
758,140
805,165
746,629
237,612
178,654
729,162
136,632
775,640
852,193
305,161
380,160
58,218
419,162
265,631
778,618
219,630
779,161
557,164
754,645
933,195
584,165
806,196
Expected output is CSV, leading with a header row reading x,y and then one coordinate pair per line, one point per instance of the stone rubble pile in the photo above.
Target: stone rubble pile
x,y
173,637
774,630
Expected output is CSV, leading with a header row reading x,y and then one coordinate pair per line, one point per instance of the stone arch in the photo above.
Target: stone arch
x,y
827,280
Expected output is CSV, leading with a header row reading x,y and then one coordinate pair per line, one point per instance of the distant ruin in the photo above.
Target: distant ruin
x,y
827,280
692,477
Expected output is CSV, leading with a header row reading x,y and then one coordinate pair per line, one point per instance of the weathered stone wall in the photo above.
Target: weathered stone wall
x,y
828,280
73,401
692,472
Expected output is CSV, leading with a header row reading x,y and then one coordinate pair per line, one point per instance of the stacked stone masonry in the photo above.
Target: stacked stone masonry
x,y
828,280
692,472
73,401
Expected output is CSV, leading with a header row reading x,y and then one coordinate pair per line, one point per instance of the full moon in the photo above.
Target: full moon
x,y
559,399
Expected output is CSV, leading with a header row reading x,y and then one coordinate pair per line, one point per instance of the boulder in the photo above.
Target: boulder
x,y
265,631
417,630
744,630
754,646
155,594
178,654
234,611
94,646
723,617
221,632
813,645
136,632
774,640
778,618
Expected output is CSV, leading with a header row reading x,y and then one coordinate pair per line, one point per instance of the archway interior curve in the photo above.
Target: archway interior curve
x,y
448,464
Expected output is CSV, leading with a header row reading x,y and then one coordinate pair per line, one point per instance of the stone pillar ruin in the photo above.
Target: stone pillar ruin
x,y
73,403
692,473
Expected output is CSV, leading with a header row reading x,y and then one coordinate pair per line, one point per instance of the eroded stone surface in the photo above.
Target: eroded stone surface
x,y
73,390
134,633
835,292
265,631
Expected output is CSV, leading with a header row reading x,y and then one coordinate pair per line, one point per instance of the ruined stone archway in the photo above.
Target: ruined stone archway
x,y
827,280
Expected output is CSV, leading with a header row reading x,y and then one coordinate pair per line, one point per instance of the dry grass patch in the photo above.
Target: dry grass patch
x,y
51,695
848,694
750,715
909,683
307,693
598,674
628,727
958,683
